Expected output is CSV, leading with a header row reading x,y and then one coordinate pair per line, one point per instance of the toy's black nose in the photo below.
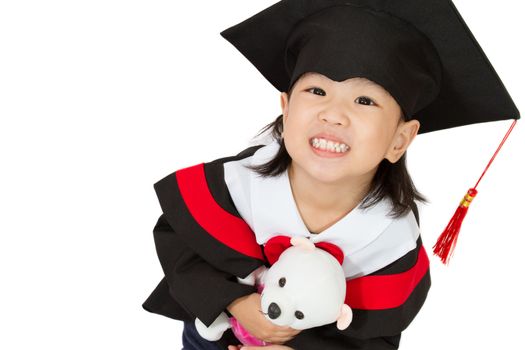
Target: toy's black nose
x,y
274,311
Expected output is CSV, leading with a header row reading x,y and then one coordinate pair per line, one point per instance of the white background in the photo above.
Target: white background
x,y
101,99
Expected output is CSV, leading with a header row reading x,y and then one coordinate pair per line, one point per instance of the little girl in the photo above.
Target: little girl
x,y
358,80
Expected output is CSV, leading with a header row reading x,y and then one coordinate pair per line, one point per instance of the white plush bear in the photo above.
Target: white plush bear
x,y
304,288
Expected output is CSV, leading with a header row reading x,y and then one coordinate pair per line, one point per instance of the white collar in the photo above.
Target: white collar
x,y
273,196
268,206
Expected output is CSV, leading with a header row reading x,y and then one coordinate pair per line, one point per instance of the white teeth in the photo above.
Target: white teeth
x,y
329,145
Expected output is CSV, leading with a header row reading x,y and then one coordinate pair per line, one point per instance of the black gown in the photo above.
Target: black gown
x,y
203,243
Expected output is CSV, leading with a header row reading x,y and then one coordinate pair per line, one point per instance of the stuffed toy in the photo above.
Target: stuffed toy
x,y
305,287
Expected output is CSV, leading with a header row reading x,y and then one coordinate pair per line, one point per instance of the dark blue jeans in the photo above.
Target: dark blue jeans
x,y
191,339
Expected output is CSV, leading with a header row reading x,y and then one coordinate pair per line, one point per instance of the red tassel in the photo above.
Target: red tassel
x,y
446,242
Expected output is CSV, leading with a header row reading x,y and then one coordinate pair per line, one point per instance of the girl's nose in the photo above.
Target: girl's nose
x,y
334,116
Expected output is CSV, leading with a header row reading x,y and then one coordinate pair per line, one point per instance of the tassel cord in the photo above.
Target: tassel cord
x,y
495,153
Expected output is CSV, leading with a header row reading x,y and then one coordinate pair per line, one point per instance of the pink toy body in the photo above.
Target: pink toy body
x,y
243,335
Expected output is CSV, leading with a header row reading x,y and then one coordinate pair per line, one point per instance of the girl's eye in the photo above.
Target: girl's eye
x,y
361,99
317,91
365,100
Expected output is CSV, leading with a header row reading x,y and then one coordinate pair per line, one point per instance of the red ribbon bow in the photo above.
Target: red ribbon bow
x,y
278,244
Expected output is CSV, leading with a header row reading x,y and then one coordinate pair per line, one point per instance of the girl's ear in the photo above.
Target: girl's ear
x,y
405,134
284,104
284,109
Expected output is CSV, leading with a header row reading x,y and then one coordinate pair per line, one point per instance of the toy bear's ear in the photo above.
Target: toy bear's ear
x,y
345,317
334,250
275,246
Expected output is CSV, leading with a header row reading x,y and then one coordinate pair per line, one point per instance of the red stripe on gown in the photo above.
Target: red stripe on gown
x,y
386,291
223,226
367,292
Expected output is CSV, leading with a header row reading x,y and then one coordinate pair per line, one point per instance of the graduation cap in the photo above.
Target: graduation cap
x,y
420,51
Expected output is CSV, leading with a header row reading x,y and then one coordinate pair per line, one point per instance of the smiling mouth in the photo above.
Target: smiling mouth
x,y
328,145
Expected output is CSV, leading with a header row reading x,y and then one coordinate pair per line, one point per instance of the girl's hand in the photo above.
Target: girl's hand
x,y
269,347
247,310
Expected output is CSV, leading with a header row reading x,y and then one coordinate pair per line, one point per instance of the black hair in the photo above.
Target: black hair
x,y
391,180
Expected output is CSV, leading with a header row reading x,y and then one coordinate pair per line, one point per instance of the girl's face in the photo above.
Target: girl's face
x,y
356,112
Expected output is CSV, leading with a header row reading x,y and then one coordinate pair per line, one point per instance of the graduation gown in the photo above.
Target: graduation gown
x,y
217,216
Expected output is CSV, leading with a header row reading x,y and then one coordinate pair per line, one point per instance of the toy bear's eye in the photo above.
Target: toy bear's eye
x,y
282,282
299,315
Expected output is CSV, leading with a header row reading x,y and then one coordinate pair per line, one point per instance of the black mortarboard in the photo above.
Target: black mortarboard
x,y
420,51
